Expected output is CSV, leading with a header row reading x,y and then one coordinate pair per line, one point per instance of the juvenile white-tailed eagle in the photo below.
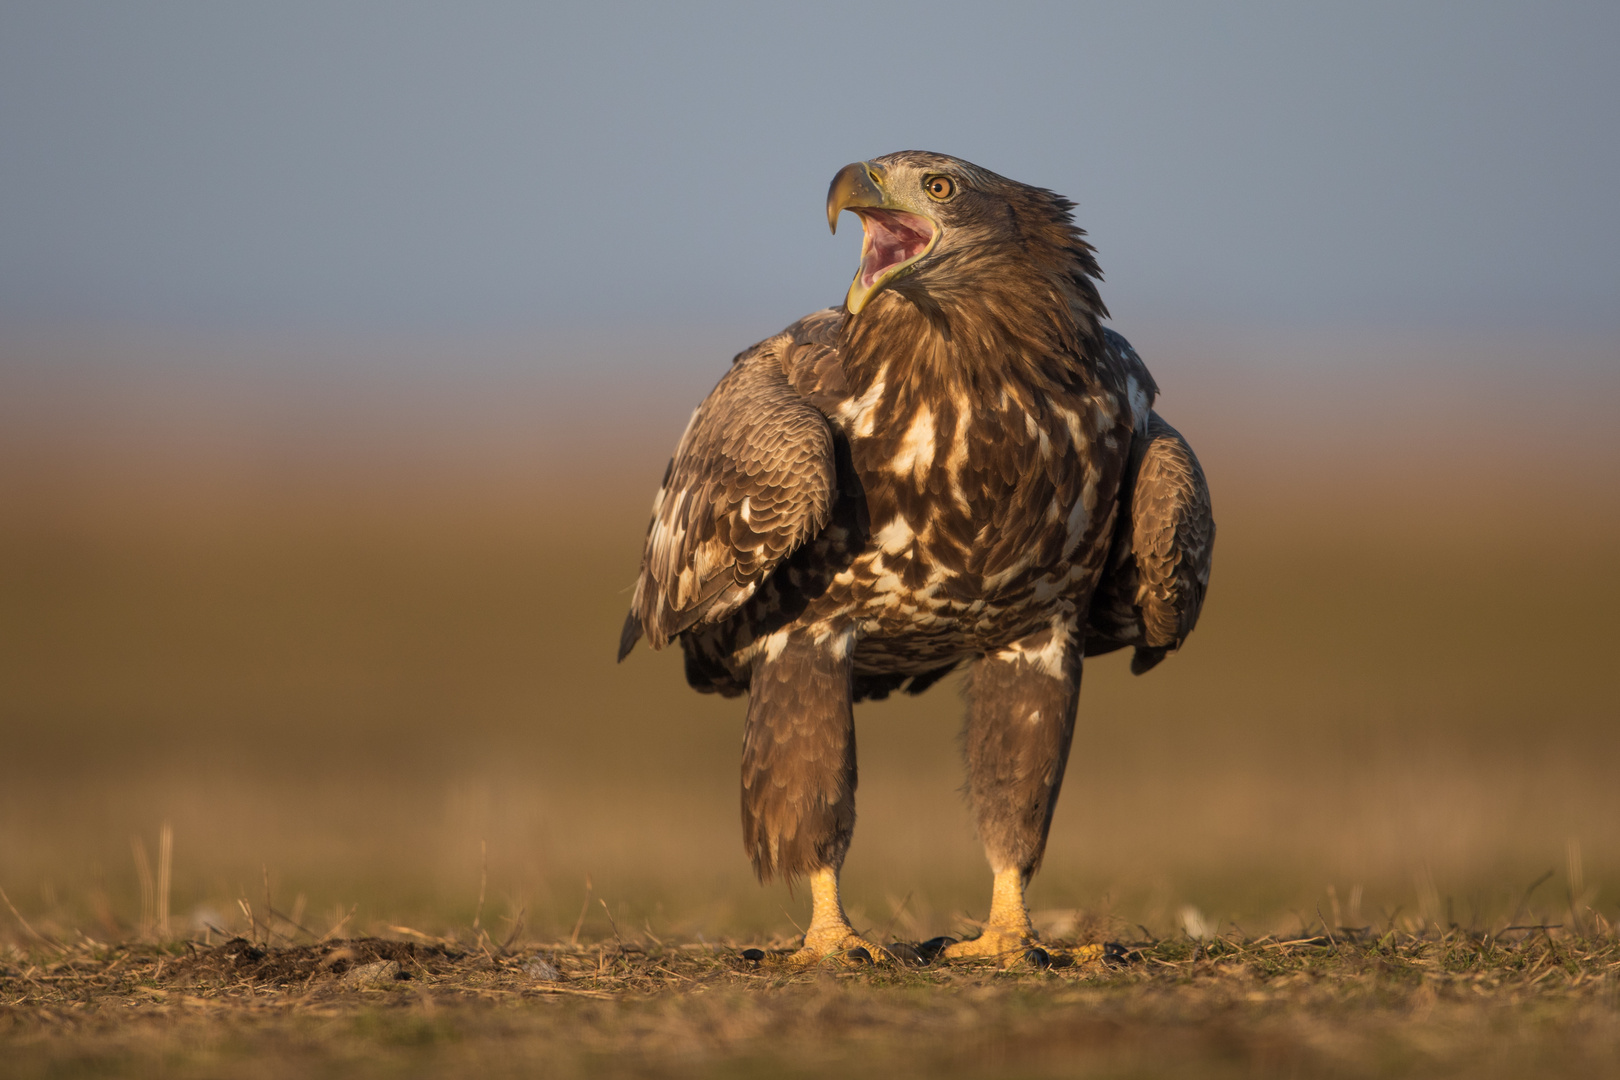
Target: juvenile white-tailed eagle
x,y
959,465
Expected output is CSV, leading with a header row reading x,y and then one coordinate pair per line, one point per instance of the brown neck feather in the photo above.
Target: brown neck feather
x,y
984,319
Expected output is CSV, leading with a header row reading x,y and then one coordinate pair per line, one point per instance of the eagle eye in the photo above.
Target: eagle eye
x,y
940,188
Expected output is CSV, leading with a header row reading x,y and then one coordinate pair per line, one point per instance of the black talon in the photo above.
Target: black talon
x,y
930,950
859,955
1116,955
1039,958
908,954
756,955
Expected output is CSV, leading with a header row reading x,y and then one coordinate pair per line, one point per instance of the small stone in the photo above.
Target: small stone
x,y
372,976
542,969
755,955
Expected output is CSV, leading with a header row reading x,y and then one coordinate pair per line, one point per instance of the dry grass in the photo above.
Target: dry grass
x,y
1512,1003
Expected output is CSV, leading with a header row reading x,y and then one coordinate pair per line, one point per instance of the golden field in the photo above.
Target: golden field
x,y
350,638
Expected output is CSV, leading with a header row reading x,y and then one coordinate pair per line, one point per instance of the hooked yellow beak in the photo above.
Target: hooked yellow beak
x,y
855,185
897,236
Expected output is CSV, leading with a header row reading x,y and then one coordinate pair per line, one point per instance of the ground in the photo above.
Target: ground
x,y
1536,1001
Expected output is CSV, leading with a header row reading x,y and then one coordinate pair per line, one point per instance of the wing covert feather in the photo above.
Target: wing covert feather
x,y
1153,589
1172,534
752,479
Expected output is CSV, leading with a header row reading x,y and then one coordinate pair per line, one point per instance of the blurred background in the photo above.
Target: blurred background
x,y
342,346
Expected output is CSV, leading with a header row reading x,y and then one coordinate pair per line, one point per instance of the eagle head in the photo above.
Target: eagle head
x,y
937,224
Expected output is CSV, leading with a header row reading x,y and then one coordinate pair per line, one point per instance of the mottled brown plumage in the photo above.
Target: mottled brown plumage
x,y
960,465
1153,589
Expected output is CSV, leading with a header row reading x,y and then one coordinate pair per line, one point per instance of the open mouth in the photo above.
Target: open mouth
x,y
894,238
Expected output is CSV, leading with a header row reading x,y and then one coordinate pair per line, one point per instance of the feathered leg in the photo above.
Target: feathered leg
x,y
798,775
1021,709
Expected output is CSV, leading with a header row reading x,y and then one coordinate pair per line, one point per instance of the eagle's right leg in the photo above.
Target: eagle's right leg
x,y
798,775
1021,709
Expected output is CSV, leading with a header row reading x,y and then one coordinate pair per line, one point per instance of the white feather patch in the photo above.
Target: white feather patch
x,y
1049,657
959,451
995,581
1075,527
1139,405
775,643
860,413
844,641
887,583
916,451
896,536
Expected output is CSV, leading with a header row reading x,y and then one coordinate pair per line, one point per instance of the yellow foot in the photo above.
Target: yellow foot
x,y
1089,954
1006,945
840,942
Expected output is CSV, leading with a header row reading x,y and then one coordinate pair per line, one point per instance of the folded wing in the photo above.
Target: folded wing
x,y
1158,571
752,479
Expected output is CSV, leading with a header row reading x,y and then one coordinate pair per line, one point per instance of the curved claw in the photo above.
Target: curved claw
x,y
921,953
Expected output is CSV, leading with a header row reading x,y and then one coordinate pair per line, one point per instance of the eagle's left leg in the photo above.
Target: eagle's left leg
x,y
1021,710
798,775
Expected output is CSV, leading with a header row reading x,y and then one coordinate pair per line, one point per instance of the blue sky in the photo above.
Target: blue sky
x,y
524,168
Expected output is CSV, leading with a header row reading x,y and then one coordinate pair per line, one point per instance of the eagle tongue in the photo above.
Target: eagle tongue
x,y
892,237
